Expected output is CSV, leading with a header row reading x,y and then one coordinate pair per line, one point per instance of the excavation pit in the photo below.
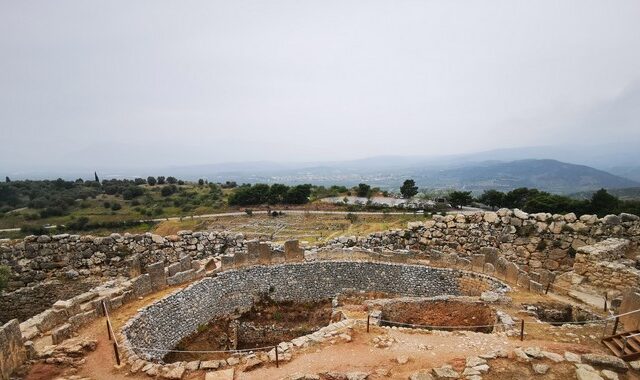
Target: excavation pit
x,y
267,324
439,314
557,314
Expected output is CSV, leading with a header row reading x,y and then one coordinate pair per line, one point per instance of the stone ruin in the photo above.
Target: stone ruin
x,y
527,251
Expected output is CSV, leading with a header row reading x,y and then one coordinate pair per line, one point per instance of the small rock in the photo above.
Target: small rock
x,y
571,357
540,369
473,361
609,375
423,374
556,358
445,372
583,374
402,359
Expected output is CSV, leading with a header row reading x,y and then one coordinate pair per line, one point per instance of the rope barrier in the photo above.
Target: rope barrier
x,y
202,352
442,327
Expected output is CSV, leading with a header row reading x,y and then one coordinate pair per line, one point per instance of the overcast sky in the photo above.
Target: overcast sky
x,y
188,82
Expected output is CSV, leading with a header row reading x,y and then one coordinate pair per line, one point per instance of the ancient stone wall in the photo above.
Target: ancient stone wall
x,y
533,241
29,301
605,265
163,324
38,258
12,351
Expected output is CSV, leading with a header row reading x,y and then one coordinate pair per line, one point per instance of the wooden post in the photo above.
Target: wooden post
x,y
109,330
368,317
522,330
615,326
115,349
605,302
277,359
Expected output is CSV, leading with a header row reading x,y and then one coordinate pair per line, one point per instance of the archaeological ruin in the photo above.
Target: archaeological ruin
x,y
211,304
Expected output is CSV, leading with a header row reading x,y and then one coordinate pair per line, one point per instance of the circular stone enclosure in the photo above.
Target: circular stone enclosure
x,y
159,327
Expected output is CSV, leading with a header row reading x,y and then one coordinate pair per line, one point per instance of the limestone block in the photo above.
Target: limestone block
x,y
185,263
241,259
524,280
173,269
60,333
141,285
157,275
536,287
227,262
477,262
12,351
293,252
512,273
490,254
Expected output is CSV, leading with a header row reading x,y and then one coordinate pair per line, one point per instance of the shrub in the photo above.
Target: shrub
x,y
116,206
353,218
5,273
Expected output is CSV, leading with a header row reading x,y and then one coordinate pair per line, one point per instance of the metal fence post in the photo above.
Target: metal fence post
x,y
522,330
368,317
277,359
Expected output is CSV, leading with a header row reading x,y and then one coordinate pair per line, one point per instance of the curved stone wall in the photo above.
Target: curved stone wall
x,y
163,324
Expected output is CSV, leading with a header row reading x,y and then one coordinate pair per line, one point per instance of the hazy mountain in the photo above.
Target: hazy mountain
x,y
549,175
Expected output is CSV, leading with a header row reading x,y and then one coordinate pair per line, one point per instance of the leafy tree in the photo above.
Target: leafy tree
x,y
151,181
132,192
277,193
460,198
168,190
161,180
603,203
517,198
363,190
298,195
201,182
116,206
409,189
139,181
493,198
172,180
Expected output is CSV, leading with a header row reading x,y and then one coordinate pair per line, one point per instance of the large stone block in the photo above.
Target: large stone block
x,y
12,351
227,262
490,255
185,263
157,275
512,273
241,259
173,269
141,285
477,262
293,252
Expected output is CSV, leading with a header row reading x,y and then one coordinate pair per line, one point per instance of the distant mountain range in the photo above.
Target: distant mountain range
x,y
389,172
557,169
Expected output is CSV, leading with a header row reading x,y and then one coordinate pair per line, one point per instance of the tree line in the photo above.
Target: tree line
x,y
247,195
533,201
